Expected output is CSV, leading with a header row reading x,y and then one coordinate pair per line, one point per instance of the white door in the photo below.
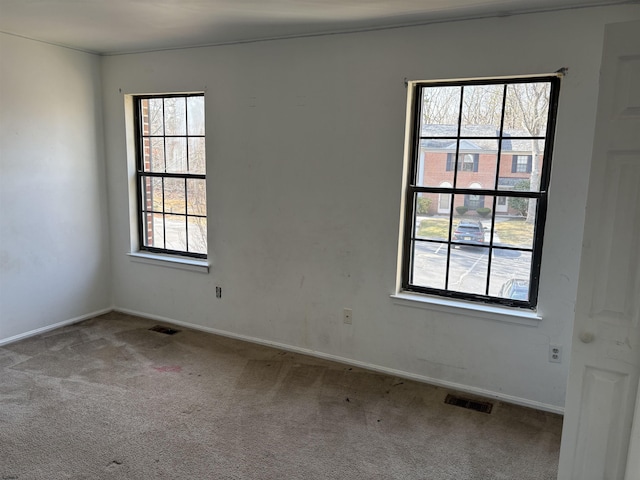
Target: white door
x,y
502,205
444,200
601,437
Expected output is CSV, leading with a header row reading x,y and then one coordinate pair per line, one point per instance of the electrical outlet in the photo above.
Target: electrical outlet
x,y
218,292
347,316
555,353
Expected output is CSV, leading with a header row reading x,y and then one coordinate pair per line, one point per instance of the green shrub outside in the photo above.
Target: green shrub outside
x,y
521,205
424,204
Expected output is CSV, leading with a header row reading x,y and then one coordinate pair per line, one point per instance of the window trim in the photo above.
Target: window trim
x,y
412,148
160,253
178,262
454,306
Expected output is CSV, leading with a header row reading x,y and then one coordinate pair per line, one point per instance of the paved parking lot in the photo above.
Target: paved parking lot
x,y
468,267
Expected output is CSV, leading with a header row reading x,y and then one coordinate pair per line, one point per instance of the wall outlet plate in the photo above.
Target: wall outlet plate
x,y
555,353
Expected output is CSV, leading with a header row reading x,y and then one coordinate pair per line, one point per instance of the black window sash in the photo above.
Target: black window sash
x,y
540,196
141,174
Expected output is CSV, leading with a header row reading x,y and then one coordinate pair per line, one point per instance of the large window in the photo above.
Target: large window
x,y
171,169
483,240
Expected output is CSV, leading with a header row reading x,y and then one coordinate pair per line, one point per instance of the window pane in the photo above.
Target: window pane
x,y
196,197
175,116
146,199
195,118
151,194
153,154
507,266
471,230
176,232
481,110
468,269
152,116
174,195
527,109
521,164
432,227
153,234
440,111
466,206
514,232
176,155
435,164
476,163
147,230
484,214
197,234
196,155
501,208
444,202
156,194
517,208
429,264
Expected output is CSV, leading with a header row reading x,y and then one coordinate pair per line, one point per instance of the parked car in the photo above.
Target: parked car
x,y
470,231
516,289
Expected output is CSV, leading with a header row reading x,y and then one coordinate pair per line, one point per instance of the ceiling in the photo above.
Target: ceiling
x,y
123,26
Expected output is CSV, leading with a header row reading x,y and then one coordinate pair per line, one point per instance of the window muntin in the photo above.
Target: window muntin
x,y
508,124
171,174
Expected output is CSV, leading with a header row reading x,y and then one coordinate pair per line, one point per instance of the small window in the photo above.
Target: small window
x,y
483,242
171,174
521,164
466,162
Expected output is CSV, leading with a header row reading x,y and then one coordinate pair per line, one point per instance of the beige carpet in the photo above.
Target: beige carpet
x,y
109,399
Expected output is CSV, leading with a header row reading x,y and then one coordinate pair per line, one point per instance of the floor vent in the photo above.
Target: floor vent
x,y
484,407
165,330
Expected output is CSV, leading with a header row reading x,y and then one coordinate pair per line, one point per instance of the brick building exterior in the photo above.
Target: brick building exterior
x,y
477,167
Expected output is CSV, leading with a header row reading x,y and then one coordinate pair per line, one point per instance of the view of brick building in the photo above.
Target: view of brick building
x,y
480,164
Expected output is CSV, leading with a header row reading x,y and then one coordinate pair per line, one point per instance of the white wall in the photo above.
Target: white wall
x,y
305,147
54,256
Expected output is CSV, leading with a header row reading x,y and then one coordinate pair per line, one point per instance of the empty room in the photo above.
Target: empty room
x,y
320,240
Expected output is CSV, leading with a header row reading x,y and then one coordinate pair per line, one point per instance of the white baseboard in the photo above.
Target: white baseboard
x,y
356,363
37,331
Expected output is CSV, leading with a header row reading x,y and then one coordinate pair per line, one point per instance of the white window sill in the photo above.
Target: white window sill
x,y
458,307
170,261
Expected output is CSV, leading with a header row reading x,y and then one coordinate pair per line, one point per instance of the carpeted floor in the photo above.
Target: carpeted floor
x,y
109,399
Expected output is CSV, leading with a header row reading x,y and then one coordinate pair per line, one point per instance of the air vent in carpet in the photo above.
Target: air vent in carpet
x,y
484,407
165,330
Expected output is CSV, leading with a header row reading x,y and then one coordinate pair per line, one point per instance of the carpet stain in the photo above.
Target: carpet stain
x,y
114,465
259,375
191,409
300,378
